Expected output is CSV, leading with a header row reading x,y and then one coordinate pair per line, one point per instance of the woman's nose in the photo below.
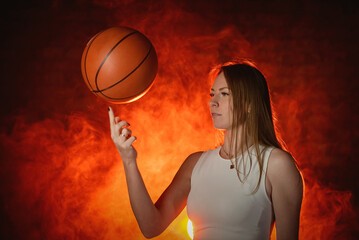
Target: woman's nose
x,y
213,102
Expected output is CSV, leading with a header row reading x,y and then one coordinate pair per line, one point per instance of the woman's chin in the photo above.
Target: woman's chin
x,y
220,127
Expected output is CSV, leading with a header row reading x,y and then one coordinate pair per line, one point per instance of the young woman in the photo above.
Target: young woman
x,y
236,191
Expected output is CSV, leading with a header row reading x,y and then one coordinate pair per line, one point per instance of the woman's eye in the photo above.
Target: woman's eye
x,y
222,93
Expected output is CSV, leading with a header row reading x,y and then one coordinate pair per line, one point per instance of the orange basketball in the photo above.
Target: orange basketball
x,y
119,65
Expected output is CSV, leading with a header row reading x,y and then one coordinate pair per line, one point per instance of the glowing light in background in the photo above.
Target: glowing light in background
x,y
190,229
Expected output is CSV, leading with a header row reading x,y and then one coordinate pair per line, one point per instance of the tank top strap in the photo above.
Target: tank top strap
x,y
266,151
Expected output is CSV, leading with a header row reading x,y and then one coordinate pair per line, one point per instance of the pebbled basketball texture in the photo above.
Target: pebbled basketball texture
x,y
119,65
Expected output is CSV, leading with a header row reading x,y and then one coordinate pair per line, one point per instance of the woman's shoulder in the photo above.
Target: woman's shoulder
x,y
188,165
195,155
279,159
279,156
192,159
282,165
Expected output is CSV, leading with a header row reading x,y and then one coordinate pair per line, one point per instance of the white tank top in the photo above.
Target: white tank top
x,y
221,207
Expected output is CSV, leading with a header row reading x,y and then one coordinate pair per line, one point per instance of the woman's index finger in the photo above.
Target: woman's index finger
x,y
111,117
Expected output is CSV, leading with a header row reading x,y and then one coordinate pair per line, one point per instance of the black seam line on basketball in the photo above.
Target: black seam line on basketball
x,y
93,39
129,96
108,54
139,65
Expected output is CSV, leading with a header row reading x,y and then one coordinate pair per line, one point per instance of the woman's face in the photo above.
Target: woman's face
x,y
221,104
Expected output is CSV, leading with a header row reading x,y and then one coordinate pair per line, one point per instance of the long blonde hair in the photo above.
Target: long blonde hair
x,y
252,110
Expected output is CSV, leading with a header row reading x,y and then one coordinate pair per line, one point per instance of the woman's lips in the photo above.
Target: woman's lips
x,y
216,114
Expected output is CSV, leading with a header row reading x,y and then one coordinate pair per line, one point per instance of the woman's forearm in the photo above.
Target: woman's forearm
x,y
147,215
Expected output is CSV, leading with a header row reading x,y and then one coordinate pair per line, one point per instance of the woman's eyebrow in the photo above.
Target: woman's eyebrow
x,y
220,88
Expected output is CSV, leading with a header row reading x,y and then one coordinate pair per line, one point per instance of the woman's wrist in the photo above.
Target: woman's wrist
x,y
129,163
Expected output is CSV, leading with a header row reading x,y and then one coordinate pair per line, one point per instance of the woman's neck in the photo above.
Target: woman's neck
x,y
230,150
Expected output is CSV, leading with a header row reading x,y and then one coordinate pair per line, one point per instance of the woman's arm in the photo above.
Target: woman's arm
x,y
152,219
287,192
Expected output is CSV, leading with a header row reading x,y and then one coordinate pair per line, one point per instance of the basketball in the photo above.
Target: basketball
x,y
119,65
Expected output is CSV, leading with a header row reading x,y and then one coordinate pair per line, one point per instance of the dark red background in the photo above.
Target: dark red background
x,y
61,177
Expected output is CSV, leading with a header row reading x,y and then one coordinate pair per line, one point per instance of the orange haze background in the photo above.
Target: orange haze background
x,y
61,176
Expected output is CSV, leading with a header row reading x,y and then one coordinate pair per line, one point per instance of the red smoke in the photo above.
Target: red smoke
x,y
62,177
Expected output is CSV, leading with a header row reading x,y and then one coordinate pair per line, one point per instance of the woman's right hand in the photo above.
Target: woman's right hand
x,y
122,138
